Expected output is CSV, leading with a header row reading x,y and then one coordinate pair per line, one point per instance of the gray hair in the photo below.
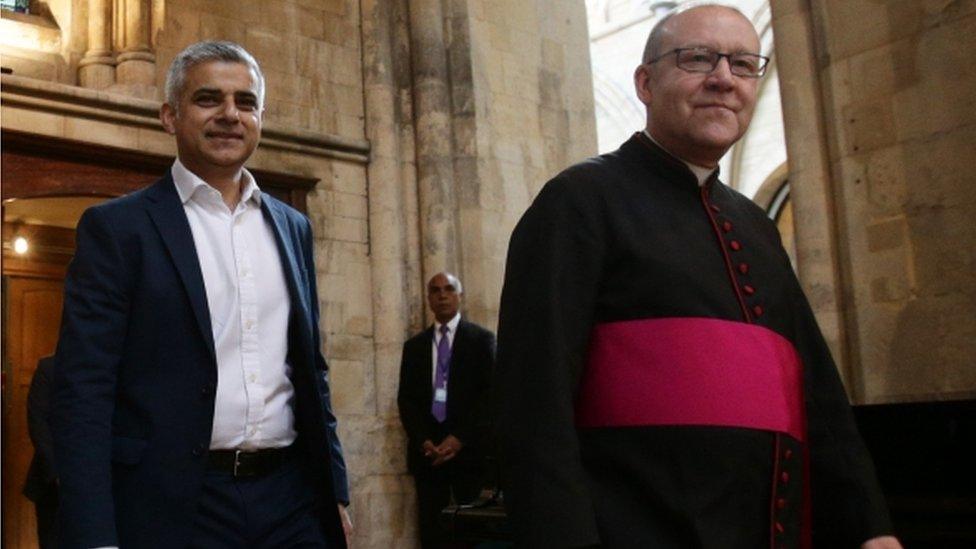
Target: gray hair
x,y
455,281
653,46
203,52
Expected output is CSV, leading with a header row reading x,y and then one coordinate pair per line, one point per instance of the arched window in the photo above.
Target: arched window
x,y
19,6
780,210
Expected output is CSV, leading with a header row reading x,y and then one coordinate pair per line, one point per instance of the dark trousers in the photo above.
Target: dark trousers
x,y
46,507
273,511
456,482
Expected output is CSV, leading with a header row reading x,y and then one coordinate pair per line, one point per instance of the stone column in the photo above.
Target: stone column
x,y
432,113
385,491
136,68
97,67
818,259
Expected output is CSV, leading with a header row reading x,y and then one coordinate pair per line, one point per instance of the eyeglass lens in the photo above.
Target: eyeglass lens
x,y
705,60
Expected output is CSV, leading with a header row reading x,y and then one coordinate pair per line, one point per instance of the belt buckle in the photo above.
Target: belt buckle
x,y
237,461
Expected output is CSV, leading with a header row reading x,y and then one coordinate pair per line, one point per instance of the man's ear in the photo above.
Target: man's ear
x,y
167,115
642,83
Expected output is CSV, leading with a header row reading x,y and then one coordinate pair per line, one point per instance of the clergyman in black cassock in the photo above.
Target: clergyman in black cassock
x,y
662,379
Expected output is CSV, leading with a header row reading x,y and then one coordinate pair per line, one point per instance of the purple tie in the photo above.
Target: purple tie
x,y
438,408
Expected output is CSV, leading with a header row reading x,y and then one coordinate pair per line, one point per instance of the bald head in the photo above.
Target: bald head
x,y
665,26
444,296
697,113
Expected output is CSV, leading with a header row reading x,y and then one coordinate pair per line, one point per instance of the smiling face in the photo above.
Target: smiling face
x,y
217,122
699,116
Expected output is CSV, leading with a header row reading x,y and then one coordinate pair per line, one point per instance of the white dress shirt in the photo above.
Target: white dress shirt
x,y
451,330
249,307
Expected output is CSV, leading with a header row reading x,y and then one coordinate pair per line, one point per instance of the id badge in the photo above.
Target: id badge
x,y
440,394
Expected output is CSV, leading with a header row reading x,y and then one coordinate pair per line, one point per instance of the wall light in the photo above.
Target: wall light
x,y
21,245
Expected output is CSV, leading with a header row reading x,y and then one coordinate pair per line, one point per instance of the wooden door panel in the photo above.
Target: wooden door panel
x,y
32,321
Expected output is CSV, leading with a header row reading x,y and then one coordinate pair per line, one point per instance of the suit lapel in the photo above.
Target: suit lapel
x,y
167,214
289,263
166,211
426,376
460,338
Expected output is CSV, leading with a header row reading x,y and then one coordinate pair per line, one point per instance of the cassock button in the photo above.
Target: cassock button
x,y
779,528
781,503
735,245
749,290
785,477
727,226
715,208
743,268
788,454
757,310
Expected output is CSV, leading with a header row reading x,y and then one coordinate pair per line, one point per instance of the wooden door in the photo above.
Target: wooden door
x,y
32,319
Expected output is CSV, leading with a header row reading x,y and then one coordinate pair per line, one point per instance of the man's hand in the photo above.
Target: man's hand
x,y
430,451
346,523
447,450
882,542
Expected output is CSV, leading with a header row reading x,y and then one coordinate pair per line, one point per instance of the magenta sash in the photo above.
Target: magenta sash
x,y
691,371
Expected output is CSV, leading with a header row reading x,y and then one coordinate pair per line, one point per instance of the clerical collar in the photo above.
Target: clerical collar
x,y
701,172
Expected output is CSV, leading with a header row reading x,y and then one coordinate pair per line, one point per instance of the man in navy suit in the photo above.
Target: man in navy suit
x,y
192,404
41,485
445,375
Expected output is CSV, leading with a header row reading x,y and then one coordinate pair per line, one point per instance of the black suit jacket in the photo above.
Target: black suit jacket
x,y
136,374
41,477
472,359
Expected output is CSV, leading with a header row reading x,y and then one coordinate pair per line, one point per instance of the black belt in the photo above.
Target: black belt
x,y
248,463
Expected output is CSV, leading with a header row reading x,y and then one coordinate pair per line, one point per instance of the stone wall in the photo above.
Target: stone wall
x,y
880,128
465,107
470,108
531,112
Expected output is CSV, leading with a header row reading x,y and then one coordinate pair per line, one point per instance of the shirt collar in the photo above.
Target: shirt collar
x,y
701,172
188,183
451,324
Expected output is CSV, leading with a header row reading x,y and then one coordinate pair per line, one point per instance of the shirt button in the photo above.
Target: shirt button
x,y
252,378
249,325
743,268
727,226
749,290
735,245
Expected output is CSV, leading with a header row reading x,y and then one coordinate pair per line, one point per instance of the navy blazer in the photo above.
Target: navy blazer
x,y
41,479
136,374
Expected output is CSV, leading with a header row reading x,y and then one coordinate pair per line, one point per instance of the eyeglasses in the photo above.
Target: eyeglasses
x,y
749,65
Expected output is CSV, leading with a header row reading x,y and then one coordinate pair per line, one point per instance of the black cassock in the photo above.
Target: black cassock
x,y
662,381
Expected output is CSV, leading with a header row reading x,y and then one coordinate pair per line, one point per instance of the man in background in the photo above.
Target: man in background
x,y
41,486
445,376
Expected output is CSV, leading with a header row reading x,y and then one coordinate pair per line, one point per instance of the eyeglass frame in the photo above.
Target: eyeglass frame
x,y
677,51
